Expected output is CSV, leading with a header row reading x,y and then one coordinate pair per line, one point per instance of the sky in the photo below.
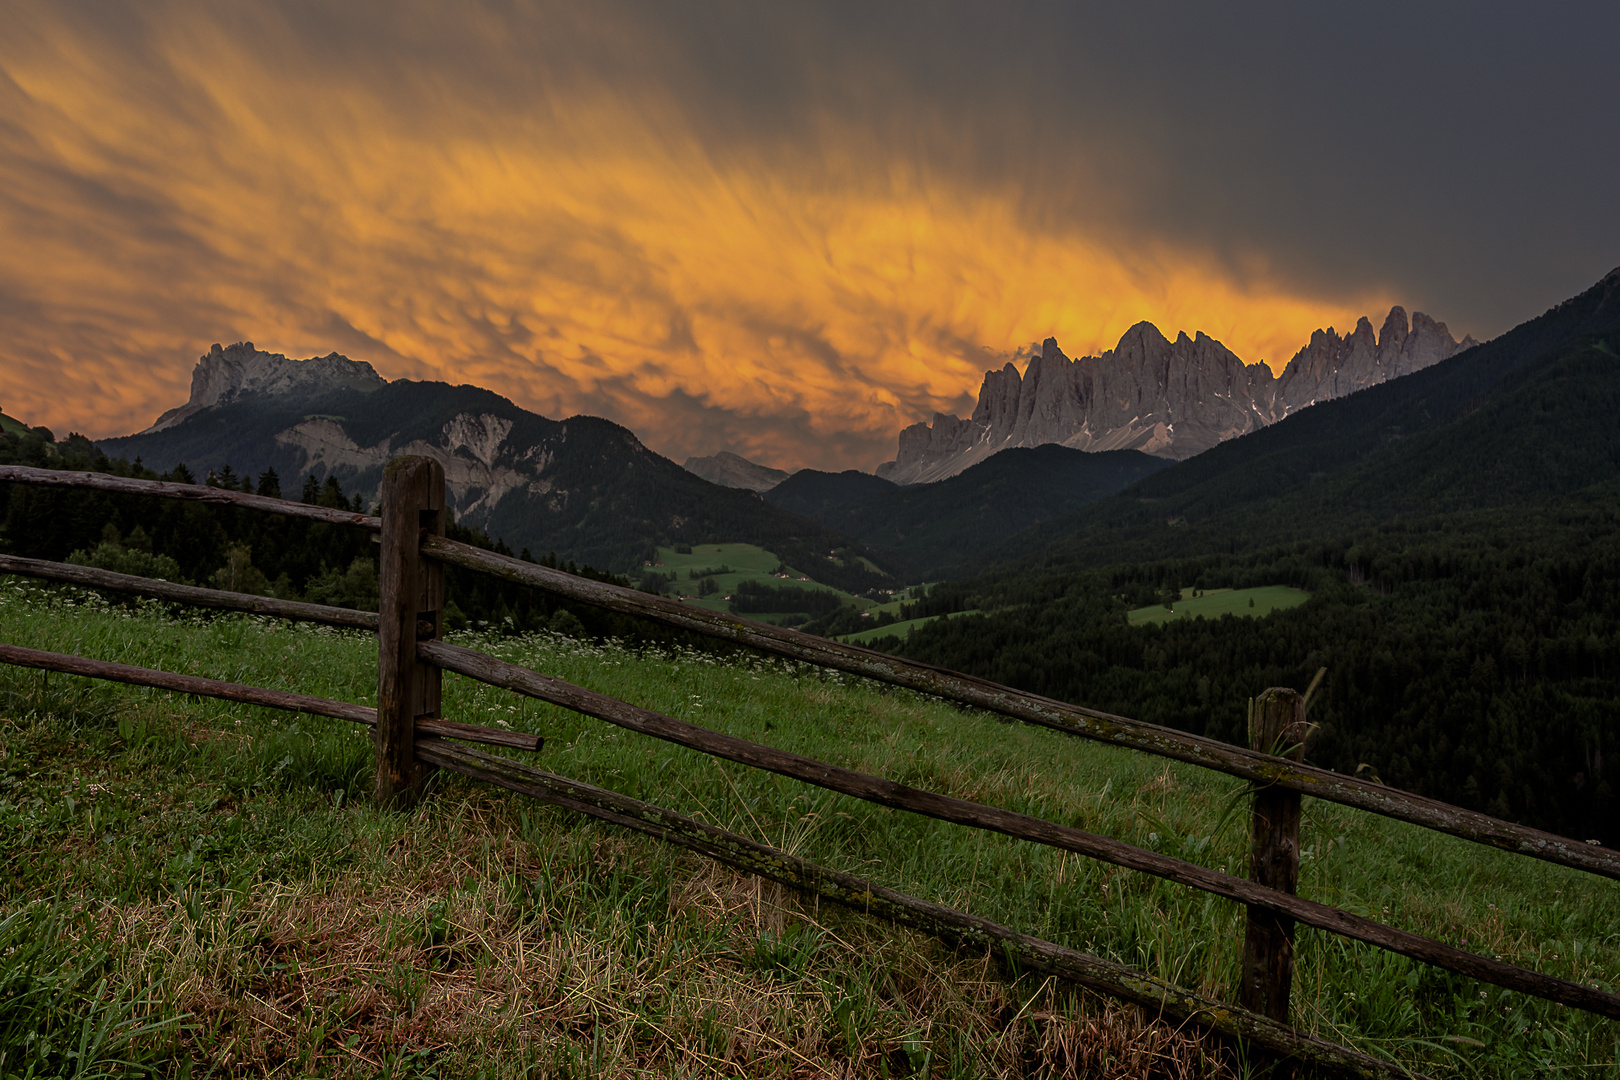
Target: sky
x,y
786,230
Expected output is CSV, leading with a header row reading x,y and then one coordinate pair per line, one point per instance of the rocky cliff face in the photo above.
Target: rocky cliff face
x,y
1172,399
480,467
734,471
225,375
1331,366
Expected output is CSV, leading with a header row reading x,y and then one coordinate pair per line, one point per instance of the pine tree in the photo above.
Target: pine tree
x,y
332,495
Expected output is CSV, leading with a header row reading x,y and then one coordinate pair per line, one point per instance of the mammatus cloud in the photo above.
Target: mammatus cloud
x,y
584,212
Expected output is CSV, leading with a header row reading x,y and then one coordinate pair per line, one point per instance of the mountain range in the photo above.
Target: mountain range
x,y
588,489
1457,527
1173,399
1526,417
584,488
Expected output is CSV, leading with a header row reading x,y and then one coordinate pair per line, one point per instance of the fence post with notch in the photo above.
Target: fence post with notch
x,y
410,608
1279,728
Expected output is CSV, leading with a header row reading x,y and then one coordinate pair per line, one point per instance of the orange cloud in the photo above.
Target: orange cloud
x,y
582,248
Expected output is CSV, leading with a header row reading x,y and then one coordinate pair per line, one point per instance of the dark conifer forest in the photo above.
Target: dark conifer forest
x,y
1474,657
261,553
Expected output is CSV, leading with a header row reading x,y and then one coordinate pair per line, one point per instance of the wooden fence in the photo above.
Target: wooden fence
x,y
409,732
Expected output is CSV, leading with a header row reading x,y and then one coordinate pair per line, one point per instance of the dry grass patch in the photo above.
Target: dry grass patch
x,y
475,942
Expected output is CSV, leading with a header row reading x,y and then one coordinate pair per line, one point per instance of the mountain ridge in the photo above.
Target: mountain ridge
x,y
1171,399
584,487
224,374
1245,486
735,471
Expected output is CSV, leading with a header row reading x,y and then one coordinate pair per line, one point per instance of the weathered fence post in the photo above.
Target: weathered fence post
x,y
412,592
1268,943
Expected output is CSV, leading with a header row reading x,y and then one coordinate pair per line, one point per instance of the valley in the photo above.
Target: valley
x,y
711,575
1448,525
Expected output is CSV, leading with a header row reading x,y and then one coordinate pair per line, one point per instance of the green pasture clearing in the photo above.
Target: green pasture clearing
x,y
743,558
11,424
1213,603
872,566
908,595
743,562
203,888
899,629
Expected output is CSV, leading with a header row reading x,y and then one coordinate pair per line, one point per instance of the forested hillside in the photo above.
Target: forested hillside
x,y
1466,596
930,528
1474,657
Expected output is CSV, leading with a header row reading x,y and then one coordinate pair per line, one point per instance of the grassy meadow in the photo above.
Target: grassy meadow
x,y
1213,603
197,888
731,564
899,629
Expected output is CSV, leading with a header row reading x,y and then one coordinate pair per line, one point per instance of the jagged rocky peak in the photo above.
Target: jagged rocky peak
x,y
1169,398
230,373
1331,366
735,471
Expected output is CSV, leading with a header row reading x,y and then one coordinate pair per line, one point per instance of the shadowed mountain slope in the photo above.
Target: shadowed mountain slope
x,y
584,487
929,528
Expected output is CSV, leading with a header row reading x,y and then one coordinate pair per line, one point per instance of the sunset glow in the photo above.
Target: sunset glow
x,y
578,247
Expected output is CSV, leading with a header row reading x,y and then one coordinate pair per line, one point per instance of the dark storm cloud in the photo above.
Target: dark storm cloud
x,y
1462,155
784,229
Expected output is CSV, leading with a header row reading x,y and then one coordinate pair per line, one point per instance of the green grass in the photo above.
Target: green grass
x,y
909,594
744,558
11,424
204,886
743,562
1213,603
898,629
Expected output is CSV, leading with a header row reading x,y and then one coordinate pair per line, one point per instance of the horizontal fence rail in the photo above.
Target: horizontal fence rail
x,y
875,789
217,599
254,695
125,485
1261,769
1157,996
